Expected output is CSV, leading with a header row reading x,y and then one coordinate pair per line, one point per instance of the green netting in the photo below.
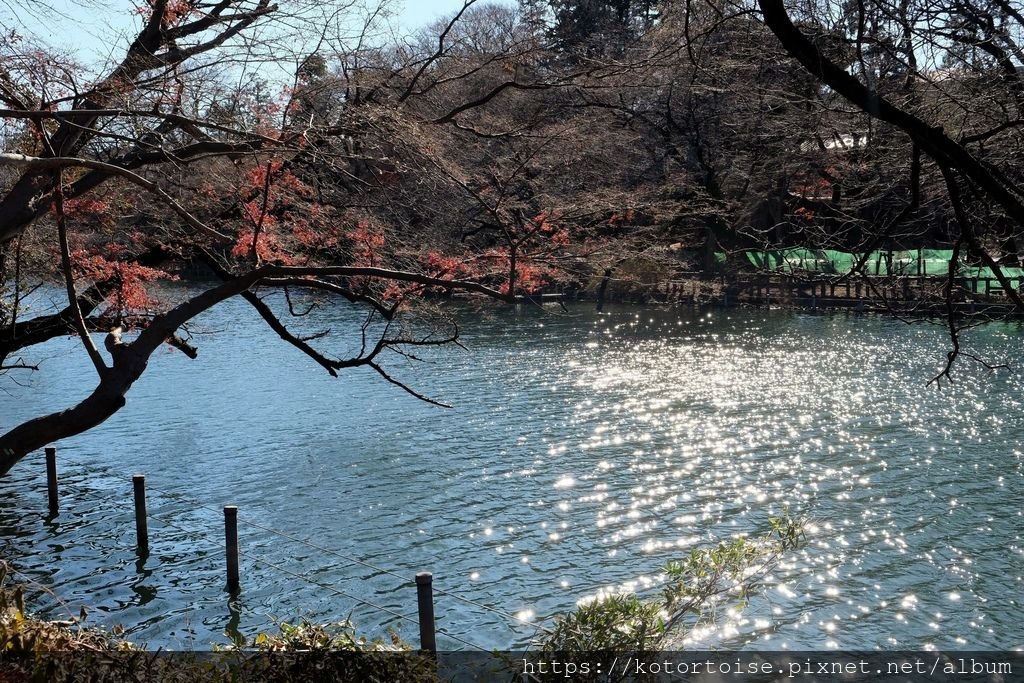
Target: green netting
x,y
897,262
765,260
807,260
936,254
842,262
892,263
932,261
799,259
915,262
877,263
974,273
793,260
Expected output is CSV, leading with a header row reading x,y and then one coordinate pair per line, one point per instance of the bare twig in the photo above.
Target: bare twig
x,y
69,277
39,163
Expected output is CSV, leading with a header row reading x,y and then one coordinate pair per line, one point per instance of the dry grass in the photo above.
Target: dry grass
x,y
33,649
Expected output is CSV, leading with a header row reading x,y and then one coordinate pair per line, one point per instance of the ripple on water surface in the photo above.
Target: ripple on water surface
x,y
585,450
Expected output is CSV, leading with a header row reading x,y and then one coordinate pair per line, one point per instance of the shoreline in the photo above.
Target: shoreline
x,y
899,296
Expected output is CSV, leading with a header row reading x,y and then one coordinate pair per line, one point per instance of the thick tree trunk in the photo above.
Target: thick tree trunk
x,y
129,362
105,400
18,207
46,327
153,48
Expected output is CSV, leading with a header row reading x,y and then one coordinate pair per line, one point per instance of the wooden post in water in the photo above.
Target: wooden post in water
x,y
603,289
51,479
141,524
425,604
231,545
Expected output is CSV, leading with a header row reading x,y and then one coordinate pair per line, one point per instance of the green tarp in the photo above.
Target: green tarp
x,y
933,262
795,260
972,273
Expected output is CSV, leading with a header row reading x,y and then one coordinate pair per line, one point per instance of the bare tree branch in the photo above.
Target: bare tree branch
x,y
39,163
69,278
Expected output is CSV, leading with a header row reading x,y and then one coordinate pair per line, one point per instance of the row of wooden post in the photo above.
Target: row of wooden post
x,y
424,580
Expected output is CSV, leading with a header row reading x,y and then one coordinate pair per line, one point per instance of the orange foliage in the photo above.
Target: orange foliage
x,y
129,294
85,208
803,213
366,241
177,10
268,247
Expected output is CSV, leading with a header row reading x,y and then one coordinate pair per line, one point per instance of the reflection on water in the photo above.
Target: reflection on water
x,y
584,451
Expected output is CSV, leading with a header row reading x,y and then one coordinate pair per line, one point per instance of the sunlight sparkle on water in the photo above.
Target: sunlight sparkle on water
x,y
597,448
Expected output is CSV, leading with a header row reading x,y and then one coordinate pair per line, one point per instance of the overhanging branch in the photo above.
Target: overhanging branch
x,y
931,140
49,163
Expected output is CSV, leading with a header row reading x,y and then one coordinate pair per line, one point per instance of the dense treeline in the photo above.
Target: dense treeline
x,y
302,148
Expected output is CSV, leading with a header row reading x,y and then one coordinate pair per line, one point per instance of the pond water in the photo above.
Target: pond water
x,y
584,450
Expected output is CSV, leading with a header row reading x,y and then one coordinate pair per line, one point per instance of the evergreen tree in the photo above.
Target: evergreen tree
x,y
593,28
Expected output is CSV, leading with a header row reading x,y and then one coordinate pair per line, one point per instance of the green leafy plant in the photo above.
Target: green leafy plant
x,y
34,649
601,630
333,652
620,626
